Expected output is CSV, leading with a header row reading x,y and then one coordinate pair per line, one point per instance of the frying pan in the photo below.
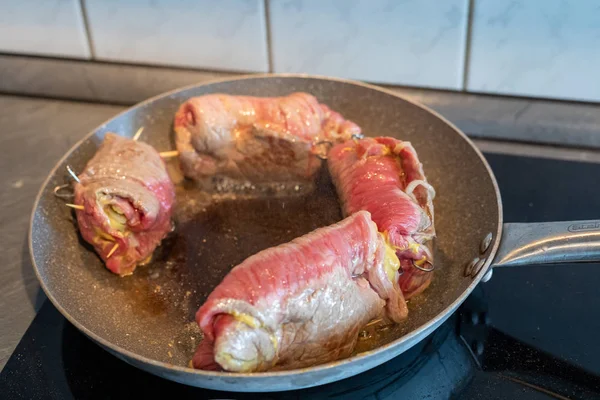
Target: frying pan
x,y
147,319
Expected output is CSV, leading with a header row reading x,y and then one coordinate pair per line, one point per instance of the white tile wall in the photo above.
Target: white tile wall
x,y
43,27
547,48
225,34
535,48
411,42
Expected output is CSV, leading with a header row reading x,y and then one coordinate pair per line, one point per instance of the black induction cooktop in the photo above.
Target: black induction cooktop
x,y
529,333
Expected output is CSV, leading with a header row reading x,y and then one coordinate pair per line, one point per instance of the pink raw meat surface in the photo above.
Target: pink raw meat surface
x,y
127,181
255,138
384,176
301,303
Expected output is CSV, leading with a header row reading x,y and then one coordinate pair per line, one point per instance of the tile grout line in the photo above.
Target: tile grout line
x,y
86,25
467,48
268,35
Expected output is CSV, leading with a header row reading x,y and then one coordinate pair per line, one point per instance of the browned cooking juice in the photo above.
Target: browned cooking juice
x,y
215,231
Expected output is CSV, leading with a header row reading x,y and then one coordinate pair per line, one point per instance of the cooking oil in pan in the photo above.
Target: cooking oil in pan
x,y
215,231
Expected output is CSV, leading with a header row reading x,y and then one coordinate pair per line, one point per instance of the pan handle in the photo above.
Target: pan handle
x,y
548,243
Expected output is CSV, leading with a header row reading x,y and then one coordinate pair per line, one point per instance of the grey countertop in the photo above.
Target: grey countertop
x,y
530,120
35,133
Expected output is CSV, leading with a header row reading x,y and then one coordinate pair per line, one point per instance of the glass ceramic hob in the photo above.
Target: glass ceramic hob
x,y
529,333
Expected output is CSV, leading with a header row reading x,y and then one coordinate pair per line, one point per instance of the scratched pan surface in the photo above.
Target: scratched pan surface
x,y
148,319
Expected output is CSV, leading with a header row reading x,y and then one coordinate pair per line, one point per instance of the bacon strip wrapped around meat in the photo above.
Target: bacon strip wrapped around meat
x,y
257,139
301,303
127,200
384,176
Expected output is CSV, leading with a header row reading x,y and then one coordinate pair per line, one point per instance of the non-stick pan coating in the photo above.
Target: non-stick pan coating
x,y
147,319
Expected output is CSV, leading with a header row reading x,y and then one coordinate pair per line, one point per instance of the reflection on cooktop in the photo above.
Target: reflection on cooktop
x,y
61,359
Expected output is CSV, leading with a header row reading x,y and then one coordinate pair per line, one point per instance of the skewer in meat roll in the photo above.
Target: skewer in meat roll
x,y
124,200
301,303
384,176
257,139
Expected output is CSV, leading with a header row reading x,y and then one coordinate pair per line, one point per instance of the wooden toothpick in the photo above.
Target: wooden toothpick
x,y
115,247
138,133
169,154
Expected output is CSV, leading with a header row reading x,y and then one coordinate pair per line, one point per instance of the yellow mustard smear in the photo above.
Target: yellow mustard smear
x,y
414,247
274,342
391,263
116,219
245,365
103,235
421,261
246,319
253,323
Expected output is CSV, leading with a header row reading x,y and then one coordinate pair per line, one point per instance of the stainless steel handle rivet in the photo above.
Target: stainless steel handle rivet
x,y
485,243
470,265
477,267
